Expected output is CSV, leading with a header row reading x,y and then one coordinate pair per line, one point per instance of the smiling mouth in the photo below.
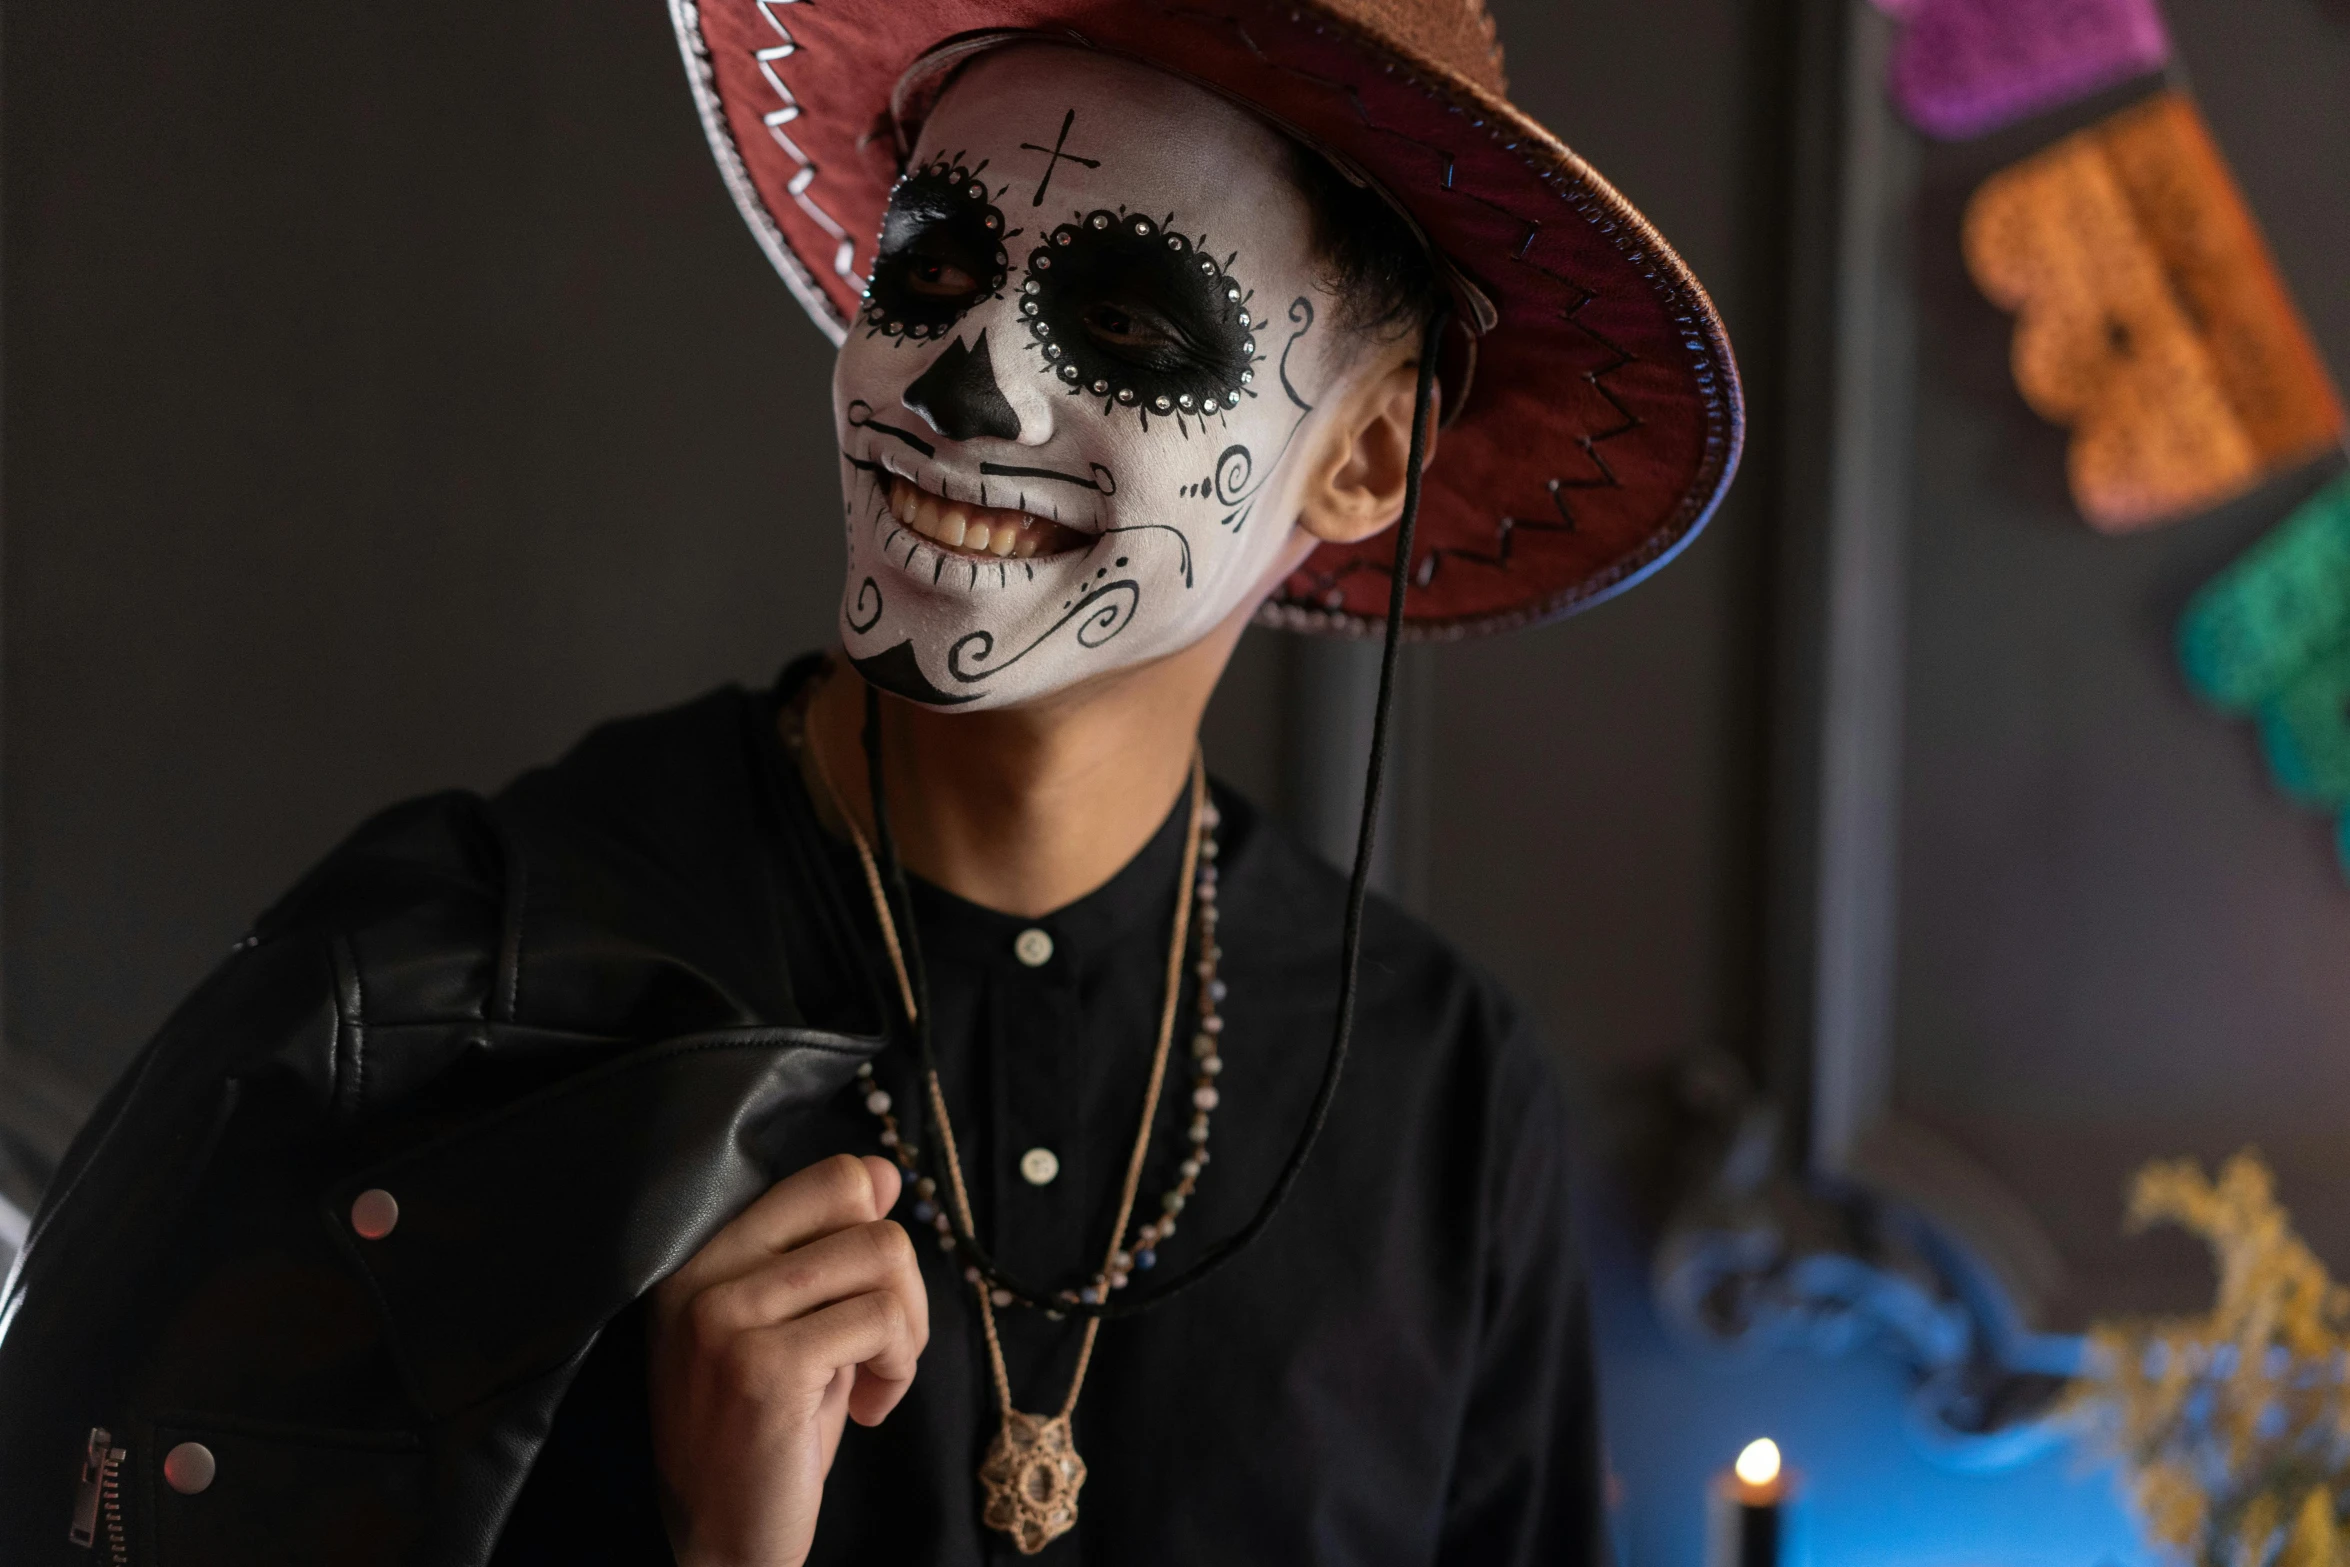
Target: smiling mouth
x,y
979,532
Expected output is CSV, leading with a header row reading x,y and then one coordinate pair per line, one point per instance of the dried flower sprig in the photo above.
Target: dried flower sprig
x,y
2232,1428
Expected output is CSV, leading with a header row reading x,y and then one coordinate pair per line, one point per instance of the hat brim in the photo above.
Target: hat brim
x,y
1604,419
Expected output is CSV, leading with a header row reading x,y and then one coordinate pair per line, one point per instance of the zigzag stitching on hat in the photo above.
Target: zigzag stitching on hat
x,y
844,256
1507,529
1627,421
1354,99
701,74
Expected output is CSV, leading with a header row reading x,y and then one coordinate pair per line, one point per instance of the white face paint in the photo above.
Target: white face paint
x,y
1072,414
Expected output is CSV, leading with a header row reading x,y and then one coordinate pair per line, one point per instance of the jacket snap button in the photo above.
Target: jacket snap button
x,y
189,1468
1033,947
1038,1166
373,1213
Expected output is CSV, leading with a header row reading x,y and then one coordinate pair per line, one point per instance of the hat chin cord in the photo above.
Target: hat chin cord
x,y
1350,944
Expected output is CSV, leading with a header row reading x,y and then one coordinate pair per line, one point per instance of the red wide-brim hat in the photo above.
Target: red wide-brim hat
x,y
1592,415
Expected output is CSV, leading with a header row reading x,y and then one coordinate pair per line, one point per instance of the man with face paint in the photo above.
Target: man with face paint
x,y
1141,386
897,1115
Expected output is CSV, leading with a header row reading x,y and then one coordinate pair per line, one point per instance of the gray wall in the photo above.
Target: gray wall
x,y
391,393
1594,803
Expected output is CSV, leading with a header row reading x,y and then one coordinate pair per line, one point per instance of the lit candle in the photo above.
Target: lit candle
x,y
1747,1522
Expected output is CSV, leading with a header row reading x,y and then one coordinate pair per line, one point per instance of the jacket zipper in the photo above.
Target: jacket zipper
x,y
100,1492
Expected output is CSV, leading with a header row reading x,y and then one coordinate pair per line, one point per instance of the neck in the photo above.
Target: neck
x,y
1025,810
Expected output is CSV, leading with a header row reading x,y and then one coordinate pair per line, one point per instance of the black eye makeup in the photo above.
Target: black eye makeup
x,y
941,252
1136,314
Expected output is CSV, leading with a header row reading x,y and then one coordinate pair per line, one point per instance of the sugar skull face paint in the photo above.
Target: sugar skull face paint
x,y
1071,414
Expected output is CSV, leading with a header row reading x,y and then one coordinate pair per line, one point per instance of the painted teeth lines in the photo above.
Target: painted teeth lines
x,y
977,530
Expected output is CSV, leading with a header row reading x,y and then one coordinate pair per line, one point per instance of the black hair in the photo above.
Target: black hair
x,y
1373,260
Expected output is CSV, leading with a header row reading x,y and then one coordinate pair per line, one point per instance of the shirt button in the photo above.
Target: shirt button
x,y
1034,948
189,1468
1038,1166
374,1213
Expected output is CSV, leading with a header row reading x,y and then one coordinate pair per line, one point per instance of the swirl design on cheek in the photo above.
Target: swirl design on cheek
x,y
866,589
1101,614
1181,538
1301,311
1235,483
1232,471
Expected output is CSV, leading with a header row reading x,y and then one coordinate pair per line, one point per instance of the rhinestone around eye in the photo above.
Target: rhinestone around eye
x,y
1142,225
1185,400
894,328
1232,291
1044,329
1031,286
1247,376
993,222
1232,399
1100,387
975,192
1101,220
1248,345
1207,268
1062,238
1068,372
1041,262
1029,306
1160,403
1244,321
1176,242
1052,350
1126,394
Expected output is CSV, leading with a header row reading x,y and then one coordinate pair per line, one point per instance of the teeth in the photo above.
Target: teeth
x,y
977,530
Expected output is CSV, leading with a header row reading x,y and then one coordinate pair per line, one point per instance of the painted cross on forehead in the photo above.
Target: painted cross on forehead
x,y
1055,434
1054,155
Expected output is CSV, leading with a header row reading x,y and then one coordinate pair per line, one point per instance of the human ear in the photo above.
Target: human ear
x,y
1355,481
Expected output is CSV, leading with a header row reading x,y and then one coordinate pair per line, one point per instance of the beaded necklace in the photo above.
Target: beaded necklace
x,y
1032,1473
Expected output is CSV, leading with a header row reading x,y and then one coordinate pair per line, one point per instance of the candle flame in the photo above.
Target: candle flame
x,y
1758,1463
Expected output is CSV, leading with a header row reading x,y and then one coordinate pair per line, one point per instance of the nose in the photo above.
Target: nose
x,y
960,397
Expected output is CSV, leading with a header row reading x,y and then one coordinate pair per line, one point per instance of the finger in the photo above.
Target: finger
x,y
829,1195
872,1397
887,1183
833,1413
873,1333
858,1261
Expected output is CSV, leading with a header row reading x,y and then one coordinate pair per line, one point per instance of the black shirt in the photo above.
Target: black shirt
x,y
1396,1372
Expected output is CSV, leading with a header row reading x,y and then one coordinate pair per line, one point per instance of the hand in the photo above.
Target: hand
x,y
807,1309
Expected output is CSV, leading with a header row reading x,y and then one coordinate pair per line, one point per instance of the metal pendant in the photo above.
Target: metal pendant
x,y
1031,1477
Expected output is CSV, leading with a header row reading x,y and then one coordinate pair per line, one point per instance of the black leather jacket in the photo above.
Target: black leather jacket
x,y
556,1026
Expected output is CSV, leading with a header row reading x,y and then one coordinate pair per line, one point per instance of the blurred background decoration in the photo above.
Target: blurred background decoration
x,y
390,393
2233,1425
2270,638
